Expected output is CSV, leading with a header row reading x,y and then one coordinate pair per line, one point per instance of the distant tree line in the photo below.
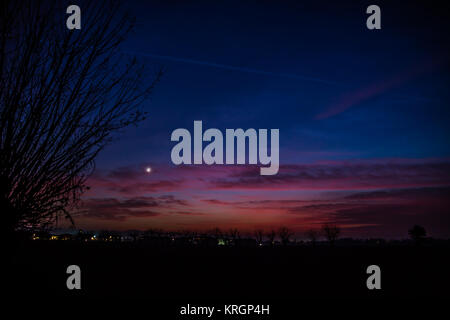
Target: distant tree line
x,y
283,236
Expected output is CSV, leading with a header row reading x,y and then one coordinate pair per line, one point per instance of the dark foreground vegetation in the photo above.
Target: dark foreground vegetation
x,y
221,273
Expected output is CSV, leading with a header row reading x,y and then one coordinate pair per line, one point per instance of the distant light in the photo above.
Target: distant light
x,y
148,169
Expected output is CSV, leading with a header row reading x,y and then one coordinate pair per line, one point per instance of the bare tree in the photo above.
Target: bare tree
x,y
417,234
271,236
216,233
234,234
285,235
259,236
63,93
312,235
331,232
187,233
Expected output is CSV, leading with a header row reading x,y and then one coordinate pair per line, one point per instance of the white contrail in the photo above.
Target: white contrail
x,y
228,67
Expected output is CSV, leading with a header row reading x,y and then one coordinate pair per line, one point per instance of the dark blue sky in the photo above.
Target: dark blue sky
x,y
363,118
280,65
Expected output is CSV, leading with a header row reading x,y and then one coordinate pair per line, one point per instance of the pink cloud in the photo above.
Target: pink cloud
x,y
301,196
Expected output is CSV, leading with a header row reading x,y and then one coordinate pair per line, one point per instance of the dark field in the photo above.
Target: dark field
x,y
219,274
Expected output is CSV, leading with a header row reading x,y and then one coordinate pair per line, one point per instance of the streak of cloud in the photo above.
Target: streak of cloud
x,y
353,98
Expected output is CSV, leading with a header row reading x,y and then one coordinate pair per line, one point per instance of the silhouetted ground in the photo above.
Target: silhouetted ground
x,y
127,270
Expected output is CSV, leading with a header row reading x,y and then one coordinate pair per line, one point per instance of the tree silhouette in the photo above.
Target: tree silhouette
x,y
331,232
312,235
216,233
63,93
284,234
417,233
234,234
271,236
259,236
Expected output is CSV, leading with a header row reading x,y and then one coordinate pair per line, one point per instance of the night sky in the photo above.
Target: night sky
x,y
363,118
